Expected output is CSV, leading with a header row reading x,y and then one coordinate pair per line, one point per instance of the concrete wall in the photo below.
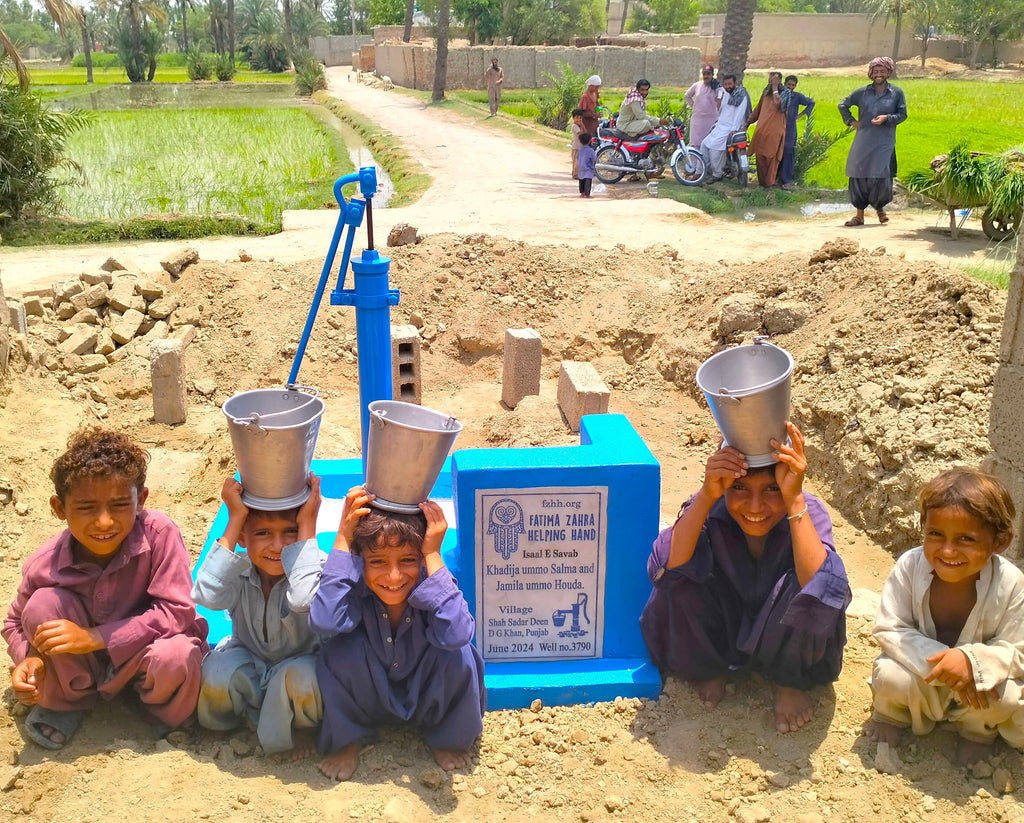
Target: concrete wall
x,y
337,49
413,66
382,34
1005,431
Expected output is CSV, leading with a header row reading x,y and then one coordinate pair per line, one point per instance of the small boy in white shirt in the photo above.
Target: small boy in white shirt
x,y
574,145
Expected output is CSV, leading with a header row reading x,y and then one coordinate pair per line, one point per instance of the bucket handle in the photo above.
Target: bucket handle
x,y
252,421
449,424
726,395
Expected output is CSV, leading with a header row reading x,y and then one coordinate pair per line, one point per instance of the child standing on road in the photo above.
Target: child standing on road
x,y
574,144
402,646
105,604
951,622
266,671
748,579
587,164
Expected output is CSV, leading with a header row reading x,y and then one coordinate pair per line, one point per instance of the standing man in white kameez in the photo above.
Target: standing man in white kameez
x,y
731,118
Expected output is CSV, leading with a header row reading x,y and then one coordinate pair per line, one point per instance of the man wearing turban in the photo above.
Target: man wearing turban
x,y
871,164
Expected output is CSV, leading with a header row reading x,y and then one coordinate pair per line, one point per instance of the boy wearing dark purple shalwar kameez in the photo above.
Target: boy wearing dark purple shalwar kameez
x,y
748,579
402,647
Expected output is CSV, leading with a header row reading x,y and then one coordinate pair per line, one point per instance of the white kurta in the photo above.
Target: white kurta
x,y
730,119
992,638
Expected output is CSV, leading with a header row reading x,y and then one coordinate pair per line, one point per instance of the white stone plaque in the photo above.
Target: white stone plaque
x,y
540,566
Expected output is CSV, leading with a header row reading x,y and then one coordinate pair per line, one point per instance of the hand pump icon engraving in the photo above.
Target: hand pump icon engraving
x,y
558,617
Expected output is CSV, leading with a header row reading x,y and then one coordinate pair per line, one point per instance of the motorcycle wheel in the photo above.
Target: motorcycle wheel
x,y
742,179
692,170
613,157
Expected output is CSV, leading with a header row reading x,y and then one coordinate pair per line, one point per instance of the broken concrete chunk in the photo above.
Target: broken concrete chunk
x,y
162,307
124,295
186,316
175,263
33,306
95,278
128,326
82,341
402,235
90,317
112,264
90,363
151,290
186,334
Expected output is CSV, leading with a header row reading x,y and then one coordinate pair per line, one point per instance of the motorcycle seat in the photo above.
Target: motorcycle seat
x,y
616,134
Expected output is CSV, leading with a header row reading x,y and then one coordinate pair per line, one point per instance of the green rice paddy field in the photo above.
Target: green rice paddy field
x,y
988,116
247,161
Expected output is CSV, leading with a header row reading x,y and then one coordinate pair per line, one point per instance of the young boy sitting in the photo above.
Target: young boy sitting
x,y
105,604
748,579
951,622
402,649
266,671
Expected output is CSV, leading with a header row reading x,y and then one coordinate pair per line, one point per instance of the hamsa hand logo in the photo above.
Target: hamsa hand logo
x,y
505,522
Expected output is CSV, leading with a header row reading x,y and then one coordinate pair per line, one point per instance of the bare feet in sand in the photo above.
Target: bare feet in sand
x,y
882,732
341,765
449,759
793,709
969,752
305,745
711,691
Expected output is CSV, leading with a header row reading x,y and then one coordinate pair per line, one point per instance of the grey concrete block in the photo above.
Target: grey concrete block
x,y
406,379
520,371
580,391
17,318
167,370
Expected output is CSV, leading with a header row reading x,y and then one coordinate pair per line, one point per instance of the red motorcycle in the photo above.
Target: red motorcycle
x,y
619,154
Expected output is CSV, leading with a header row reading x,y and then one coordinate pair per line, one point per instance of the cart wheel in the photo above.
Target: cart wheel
x,y
998,228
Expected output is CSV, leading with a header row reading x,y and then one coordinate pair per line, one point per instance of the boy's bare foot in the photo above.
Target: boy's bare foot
x,y
969,752
793,709
882,732
305,745
710,691
449,759
341,765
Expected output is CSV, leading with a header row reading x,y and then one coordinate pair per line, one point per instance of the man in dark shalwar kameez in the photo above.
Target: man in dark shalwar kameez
x,y
748,579
871,164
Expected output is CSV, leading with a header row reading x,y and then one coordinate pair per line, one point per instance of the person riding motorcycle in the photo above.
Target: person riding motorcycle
x,y
633,118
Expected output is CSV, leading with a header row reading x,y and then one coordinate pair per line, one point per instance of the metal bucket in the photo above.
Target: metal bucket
x,y
273,432
748,389
407,448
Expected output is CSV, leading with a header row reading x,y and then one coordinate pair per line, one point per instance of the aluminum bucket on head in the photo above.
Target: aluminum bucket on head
x,y
273,432
406,450
748,389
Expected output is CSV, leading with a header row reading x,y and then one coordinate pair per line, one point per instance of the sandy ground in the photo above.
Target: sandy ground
x,y
877,418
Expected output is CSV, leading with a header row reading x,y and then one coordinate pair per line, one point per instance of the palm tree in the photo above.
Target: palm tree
x,y
88,40
410,10
736,33
62,13
444,15
890,10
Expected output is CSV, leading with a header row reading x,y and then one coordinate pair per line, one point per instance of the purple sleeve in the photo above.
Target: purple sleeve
x,y
32,577
449,623
335,609
697,568
169,589
827,594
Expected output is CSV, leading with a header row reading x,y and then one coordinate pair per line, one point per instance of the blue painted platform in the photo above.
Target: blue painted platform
x,y
611,457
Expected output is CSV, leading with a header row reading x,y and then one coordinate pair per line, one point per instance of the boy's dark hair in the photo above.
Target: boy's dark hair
x,y
792,77
383,528
96,452
578,112
755,470
585,139
980,495
264,514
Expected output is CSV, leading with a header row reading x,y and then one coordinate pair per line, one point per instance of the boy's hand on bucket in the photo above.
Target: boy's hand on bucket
x,y
306,518
436,527
723,467
357,504
792,465
231,494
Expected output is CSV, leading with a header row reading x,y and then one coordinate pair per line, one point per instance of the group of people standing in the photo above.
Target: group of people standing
x,y
721,109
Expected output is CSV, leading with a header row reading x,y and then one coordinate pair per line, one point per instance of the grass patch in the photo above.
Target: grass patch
x,y
72,76
250,162
408,176
996,272
64,231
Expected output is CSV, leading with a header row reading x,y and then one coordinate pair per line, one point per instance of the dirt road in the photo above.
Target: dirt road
x,y
486,182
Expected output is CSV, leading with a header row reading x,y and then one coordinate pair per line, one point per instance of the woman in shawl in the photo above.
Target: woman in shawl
x,y
770,131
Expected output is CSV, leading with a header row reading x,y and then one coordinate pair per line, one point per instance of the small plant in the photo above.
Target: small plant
x,y
225,67
812,148
555,107
199,66
309,75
